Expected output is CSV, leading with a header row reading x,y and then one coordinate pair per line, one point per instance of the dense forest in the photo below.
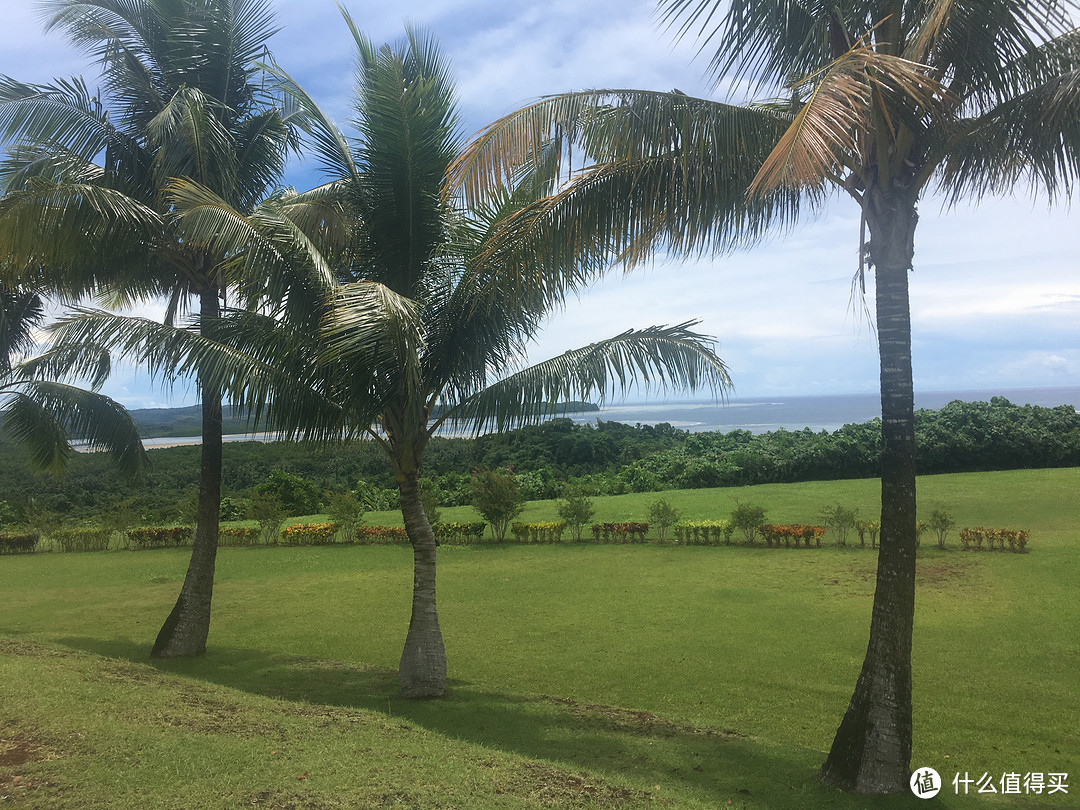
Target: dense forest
x,y
600,459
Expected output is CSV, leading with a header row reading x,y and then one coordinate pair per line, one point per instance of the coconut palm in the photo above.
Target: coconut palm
x,y
435,323
890,101
86,181
43,415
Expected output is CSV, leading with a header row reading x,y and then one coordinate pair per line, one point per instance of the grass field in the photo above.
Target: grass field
x,y
581,676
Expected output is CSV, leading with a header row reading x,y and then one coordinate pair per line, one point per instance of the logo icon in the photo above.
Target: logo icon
x,y
925,783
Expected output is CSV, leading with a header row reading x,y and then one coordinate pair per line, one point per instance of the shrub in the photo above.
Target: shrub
x,y
776,533
575,510
270,514
159,536
497,497
85,539
459,534
841,520
747,518
544,532
238,535
346,511
231,509
309,534
974,537
379,535
620,532
296,495
703,532
18,543
940,523
663,516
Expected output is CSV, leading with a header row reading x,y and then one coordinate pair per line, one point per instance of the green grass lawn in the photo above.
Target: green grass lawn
x,y
581,676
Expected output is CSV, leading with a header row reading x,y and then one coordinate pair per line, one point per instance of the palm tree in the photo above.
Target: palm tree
x,y
890,101
87,206
43,415
433,325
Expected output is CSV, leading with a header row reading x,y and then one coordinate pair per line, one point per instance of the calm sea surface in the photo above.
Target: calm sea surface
x,y
795,413
760,415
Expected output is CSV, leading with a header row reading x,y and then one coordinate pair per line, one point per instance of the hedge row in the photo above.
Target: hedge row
x,y
790,535
160,536
459,534
18,543
87,539
545,532
973,538
620,532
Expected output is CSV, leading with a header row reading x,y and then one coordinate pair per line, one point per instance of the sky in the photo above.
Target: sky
x,y
995,293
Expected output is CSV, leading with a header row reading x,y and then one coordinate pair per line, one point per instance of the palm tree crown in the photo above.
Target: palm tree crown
x,y
90,182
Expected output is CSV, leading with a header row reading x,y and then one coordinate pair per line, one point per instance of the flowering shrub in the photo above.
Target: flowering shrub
x,y
238,535
378,535
620,532
18,543
974,537
789,535
81,539
545,532
459,534
309,534
159,536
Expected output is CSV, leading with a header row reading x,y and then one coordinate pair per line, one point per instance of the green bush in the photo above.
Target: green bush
x,y
498,497
159,536
940,523
575,510
18,543
663,516
841,520
747,518
86,539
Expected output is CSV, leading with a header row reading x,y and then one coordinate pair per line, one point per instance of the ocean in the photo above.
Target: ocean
x,y
829,413
763,414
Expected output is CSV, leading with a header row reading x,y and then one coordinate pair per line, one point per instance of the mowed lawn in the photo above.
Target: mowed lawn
x,y
581,675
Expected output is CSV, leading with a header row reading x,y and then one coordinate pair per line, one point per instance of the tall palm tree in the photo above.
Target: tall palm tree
x,y
890,100
45,414
86,206
434,323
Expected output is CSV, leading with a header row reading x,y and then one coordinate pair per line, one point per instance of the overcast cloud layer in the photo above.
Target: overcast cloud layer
x,y
995,295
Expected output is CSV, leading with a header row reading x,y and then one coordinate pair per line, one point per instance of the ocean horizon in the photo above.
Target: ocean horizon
x,y
759,414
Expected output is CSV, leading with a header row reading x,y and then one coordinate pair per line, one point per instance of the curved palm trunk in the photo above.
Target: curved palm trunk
x,y
185,631
871,752
422,671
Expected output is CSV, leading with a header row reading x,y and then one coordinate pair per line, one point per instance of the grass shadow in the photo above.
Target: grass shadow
x,y
625,746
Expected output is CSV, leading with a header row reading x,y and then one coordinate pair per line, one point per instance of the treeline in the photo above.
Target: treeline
x,y
601,459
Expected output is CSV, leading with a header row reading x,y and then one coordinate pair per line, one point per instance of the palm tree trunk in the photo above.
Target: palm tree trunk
x,y
185,631
422,671
871,752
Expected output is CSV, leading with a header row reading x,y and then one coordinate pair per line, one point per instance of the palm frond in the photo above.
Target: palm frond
x,y
43,415
63,112
674,358
830,130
